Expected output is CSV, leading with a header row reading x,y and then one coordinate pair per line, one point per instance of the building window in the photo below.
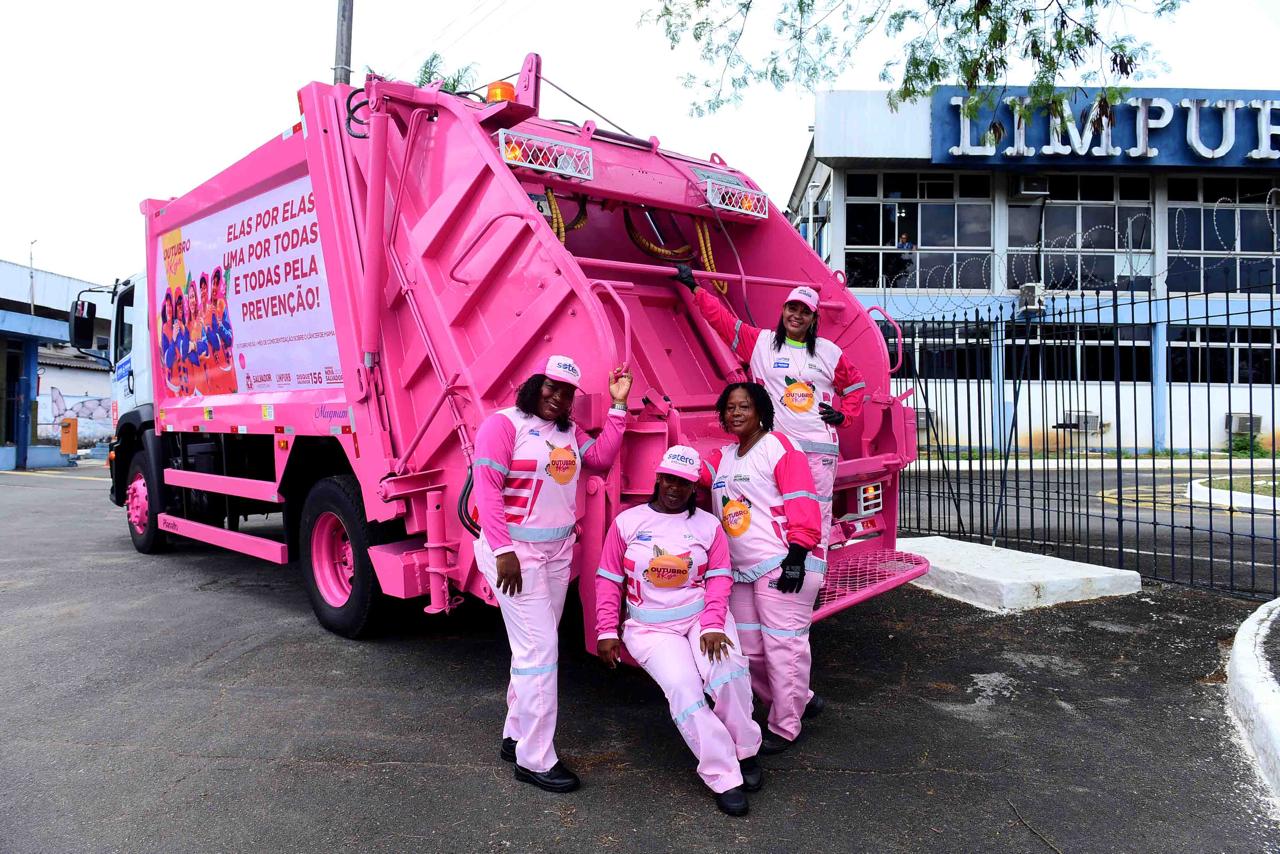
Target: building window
x,y
918,230
1093,232
1068,351
1223,235
1222,354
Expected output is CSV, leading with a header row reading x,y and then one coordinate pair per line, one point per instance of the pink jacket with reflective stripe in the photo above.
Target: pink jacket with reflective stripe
x,y
766,502
796,381
526,475
674,566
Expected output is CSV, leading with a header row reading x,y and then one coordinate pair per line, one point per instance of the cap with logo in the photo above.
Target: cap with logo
x,y
564,369
806,295
680,461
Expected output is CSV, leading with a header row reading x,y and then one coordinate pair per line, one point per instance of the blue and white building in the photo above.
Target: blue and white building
x,y
1157,225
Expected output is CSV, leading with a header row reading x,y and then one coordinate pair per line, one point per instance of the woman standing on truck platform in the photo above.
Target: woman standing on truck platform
x,y
763,492
674,561
526,487
803,373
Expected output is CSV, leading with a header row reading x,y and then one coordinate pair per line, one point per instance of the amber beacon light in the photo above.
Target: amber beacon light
x,y
500,91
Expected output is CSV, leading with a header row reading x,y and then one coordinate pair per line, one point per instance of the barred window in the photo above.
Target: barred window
x,y
1223,235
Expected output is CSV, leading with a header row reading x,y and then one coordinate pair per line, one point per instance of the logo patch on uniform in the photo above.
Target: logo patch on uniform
x,y
735,515
644,536
668,570
534,433
719,484
782,363
742,478
798,396
562,464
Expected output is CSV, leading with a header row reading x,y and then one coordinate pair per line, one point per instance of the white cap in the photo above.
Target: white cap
x,y
806,295
564,369
680,461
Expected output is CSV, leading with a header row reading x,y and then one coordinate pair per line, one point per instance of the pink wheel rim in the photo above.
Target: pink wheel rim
x,y
331,559
137,504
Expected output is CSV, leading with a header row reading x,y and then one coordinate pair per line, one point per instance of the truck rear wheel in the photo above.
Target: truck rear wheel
x,y
335,540
142,506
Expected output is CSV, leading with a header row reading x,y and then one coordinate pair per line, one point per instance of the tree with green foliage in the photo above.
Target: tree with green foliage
x,y
972,43
459,80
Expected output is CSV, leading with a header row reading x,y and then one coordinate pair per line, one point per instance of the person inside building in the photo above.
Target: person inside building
x,y
673,560
813,385
527,463
762,489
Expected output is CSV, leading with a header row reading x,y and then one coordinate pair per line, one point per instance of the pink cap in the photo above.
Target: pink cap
x,y
806,295
680,461
564,369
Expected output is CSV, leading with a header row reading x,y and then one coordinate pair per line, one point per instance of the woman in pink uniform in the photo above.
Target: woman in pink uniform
x,y
674,561
804,375
762,489
526,486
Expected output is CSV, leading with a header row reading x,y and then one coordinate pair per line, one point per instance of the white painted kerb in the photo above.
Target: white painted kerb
x,y
1005,580
1199,490
1253,692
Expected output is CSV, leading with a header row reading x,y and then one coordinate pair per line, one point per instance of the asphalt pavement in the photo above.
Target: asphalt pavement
x,y
190,702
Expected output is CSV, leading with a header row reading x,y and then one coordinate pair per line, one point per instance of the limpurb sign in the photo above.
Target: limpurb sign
x,y
1153,127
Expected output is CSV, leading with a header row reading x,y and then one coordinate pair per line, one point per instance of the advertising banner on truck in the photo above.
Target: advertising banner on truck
x,y
244,302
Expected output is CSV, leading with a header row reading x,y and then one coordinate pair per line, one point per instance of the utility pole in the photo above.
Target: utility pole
x,y
342,53
31,274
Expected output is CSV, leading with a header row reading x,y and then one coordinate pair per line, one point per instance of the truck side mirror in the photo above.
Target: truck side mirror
x,y
80,324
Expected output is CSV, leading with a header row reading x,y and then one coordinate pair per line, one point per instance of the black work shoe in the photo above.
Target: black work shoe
x,y
556,779
772,743
752,774
813,708
508,750
733,802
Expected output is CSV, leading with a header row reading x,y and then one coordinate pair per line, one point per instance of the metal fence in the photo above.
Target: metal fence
x,y
1119,430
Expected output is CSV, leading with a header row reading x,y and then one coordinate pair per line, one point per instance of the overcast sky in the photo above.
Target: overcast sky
x,y
109,103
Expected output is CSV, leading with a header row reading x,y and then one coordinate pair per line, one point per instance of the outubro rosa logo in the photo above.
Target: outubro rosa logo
x,y
735,515
799,395
668,570
562,465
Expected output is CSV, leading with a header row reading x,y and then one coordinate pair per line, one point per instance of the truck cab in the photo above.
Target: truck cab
x,y
132,394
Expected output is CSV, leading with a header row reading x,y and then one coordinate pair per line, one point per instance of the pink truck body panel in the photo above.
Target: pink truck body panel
x,y
387,292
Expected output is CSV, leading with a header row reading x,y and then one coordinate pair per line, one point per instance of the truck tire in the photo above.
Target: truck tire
x,y
142,503
334,544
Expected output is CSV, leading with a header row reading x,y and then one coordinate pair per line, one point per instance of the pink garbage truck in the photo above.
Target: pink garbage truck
x,y
329,319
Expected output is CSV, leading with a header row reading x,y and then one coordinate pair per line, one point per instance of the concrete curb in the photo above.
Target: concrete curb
x,y
1253,692
1007,581
1199,490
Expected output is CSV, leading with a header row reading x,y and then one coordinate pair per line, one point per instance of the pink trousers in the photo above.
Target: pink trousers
x,y
774,628
823,468
672,654
532,618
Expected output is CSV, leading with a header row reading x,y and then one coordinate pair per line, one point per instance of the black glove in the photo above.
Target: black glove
x,y
684,275
831,416
792,578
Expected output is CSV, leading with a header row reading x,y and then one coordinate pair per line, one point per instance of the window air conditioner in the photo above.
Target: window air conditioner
x,y
1244,423
1084,422
1031,185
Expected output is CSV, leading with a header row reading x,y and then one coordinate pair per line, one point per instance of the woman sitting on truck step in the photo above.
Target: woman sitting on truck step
x,y
817,387
674,561
762,489
526,488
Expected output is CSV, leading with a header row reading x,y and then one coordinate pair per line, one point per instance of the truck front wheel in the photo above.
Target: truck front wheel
x,y
142,505
335,539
